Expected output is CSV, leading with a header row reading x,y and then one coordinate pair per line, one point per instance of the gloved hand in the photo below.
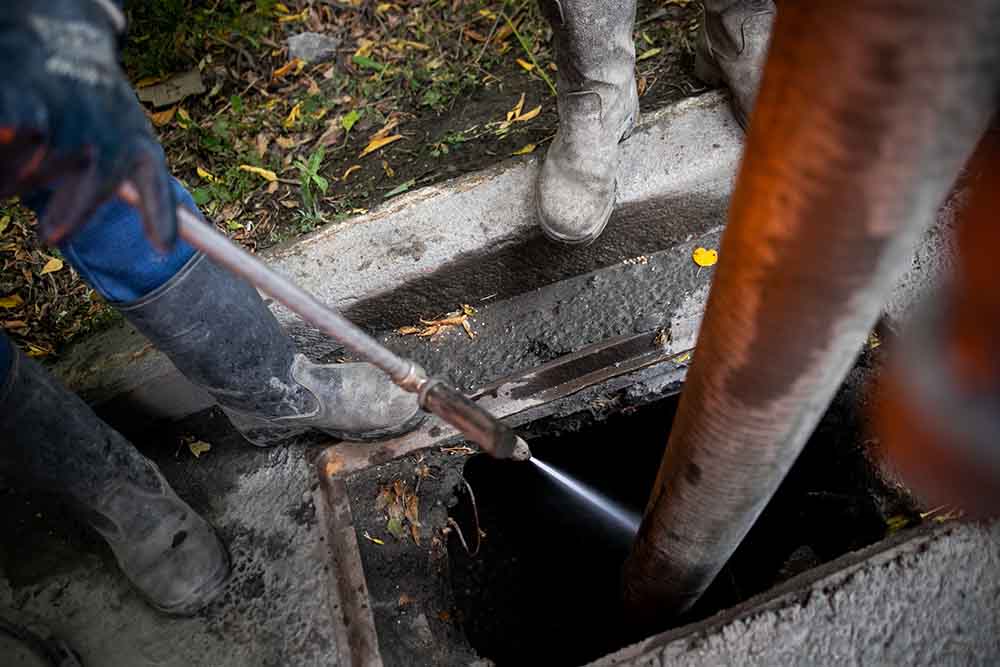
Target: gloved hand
x,y
70,124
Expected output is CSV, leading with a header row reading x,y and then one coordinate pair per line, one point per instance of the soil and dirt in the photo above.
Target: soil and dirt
x,y
544,585
442,76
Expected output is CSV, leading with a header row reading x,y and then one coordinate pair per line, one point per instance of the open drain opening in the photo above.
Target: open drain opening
x,y
544,587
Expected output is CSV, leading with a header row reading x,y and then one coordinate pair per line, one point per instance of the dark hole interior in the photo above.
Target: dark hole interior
x,y
544,587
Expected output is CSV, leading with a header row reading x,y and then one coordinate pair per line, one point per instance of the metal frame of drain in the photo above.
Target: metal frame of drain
x,y
559,387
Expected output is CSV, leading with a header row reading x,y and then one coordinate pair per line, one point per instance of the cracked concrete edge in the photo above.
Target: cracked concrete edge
x,y
923,597
425,251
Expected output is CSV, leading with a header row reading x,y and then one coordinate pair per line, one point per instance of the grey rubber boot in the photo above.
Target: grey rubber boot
x,y
219,333
598,107
53,440
732,48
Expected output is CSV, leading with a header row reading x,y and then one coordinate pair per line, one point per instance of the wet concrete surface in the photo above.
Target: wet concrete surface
x,y
274,610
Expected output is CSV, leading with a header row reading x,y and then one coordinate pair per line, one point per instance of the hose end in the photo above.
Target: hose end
x,y
521,451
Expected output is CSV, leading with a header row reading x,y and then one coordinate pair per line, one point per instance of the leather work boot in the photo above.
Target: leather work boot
x,y
219,333
732,49
598,107
55,441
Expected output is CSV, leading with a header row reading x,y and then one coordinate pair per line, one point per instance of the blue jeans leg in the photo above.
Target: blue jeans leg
x,y
112,253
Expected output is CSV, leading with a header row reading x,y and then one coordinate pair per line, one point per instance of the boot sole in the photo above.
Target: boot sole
x,y
384,434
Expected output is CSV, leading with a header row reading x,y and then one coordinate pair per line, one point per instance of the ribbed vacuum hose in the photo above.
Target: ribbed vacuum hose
x,y
866,114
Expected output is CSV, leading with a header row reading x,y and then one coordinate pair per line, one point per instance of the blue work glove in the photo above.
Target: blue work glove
x,y
70,124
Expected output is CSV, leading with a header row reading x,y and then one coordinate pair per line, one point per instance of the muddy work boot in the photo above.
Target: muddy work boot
x,y
598,107
54,441
219,333
732,49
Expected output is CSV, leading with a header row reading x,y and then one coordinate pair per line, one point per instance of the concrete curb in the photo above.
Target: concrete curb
x,y
422,253
918,599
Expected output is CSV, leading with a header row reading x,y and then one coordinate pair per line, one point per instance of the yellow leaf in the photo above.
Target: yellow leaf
x,y
204,175
350,170
524,150
516,111
896,523
294,64
379,142
374,539
199,447
161,118
364,47
148,81
54,264
266,174
282,8
528,116
36,351
4,221
648,54
12,301
293,116
301,16
705,256
525,65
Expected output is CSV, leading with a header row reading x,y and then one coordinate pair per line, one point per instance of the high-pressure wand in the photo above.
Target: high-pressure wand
x,y
434,395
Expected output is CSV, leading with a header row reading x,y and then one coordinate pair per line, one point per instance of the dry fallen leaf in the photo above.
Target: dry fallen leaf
x,y
379,142
291,18
293,116
199,447
524,150
705,256
516,111
12,301
525,65
161,118
294,64
521,118
374,539
266,174
468,328
458,318
54,264
350,170
204,175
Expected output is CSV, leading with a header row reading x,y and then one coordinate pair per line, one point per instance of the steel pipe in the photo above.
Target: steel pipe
x,y
867,112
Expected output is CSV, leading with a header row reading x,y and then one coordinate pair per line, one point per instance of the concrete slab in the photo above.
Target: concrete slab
x,y
923,599
272,613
